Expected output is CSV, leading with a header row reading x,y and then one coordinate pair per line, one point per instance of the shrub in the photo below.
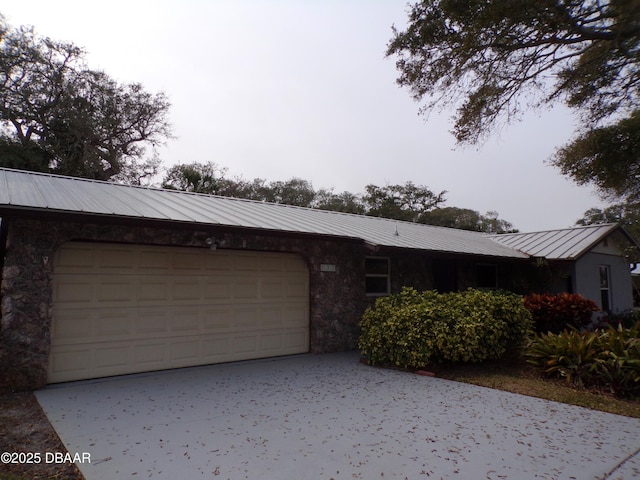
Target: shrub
x,y
626,319
413,329
608,358
570,354
554,313
619,361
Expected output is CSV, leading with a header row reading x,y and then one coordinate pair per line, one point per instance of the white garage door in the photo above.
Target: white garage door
x,y
123,309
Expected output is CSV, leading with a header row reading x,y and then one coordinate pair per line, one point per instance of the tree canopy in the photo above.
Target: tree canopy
x,y
467,219
406,202
195,177
606,157
58,115
625,214
491,56
492,59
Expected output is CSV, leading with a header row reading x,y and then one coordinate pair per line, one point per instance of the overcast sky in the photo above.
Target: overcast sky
x,y
279,89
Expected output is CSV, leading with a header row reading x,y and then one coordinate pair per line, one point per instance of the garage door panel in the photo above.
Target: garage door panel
x,y
295,264
150,356
216,290
117,259
217,320
270,264
245,318
218,263
187,321
184,350
163,307
272,317
216,349
76,328
152,290
247,262
184,262
81,258
272,289
151,322
71,362
244,345
114,289
111,357
245,289
152,261
113,325
297,290
74,290
271,342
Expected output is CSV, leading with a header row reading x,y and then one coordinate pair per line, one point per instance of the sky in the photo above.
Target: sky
x,y
276,89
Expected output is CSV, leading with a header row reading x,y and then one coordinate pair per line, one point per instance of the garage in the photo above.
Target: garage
x,y
120,309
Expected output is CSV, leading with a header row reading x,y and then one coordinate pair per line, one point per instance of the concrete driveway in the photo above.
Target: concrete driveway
x,y
329,417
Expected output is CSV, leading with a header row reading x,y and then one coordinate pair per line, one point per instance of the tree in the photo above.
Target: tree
x,y
408,202
294,191
23,156
401,202
345,202
489,58
607,157
195,177
625,214
467,219
490,223
209,178
80,121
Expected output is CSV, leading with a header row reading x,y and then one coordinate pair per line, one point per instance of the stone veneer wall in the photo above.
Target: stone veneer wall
x,y
336,304
337,299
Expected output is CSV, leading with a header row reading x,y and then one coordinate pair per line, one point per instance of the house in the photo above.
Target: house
x,y
102,279
586,260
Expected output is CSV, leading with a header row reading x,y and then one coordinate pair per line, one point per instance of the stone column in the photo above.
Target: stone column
x,y
26,306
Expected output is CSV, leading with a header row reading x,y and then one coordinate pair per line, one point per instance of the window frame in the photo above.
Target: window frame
x,y
374,275
605,287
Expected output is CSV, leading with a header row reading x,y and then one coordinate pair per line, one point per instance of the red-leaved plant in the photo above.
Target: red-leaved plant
x,y
554,313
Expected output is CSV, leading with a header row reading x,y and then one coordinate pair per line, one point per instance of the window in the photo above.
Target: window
x,y
445,276
486,276
376,271
605,290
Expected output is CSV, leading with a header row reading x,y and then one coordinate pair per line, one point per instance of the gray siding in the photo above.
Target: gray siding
x,y
587,280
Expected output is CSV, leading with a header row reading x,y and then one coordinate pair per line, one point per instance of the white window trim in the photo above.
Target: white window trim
x,y
607,288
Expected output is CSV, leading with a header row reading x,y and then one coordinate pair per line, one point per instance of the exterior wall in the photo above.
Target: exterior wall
x,y
336,269
587,280
336,304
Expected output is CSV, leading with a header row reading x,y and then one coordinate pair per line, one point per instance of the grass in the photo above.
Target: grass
x,y
516,376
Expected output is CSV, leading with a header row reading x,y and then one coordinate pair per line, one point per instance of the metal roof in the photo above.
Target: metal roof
x,y
563,244
39,192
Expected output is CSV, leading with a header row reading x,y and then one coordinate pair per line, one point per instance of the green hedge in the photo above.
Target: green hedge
x,y
415,329
607,359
